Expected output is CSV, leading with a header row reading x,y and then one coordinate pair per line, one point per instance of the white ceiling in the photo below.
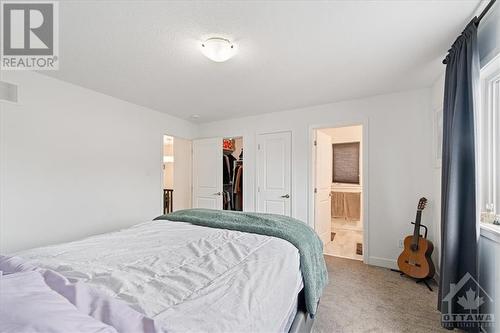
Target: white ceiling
x,y
291,54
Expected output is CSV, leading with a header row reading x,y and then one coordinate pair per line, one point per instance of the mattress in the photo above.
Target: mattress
x,y
187,278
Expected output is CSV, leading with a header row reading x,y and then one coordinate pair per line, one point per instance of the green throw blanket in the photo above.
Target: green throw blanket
x,y
312,263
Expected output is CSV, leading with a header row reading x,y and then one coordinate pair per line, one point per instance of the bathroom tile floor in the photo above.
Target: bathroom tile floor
x,y
347,235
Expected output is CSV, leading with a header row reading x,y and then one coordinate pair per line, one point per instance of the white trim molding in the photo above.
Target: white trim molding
x,y
383,262
489,137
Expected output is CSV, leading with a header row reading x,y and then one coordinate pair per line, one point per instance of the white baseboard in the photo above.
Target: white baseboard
x,y
383,262
392,264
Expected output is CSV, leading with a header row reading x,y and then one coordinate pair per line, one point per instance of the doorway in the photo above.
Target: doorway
x,y
177,164
232,174
338,190
218,173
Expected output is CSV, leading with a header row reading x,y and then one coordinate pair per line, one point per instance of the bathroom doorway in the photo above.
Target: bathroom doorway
x,y
338,190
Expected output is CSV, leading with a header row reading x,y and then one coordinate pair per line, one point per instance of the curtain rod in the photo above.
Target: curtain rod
x,y
485,10
478,19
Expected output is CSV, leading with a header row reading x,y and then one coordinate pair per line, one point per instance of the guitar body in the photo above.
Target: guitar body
x,y
417,263
415,260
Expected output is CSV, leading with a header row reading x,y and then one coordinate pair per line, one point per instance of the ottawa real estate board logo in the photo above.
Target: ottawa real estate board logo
x,y
30,35
467,305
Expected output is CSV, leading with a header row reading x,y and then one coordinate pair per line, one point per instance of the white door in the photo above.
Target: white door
x,y
207,173
323,187
274,173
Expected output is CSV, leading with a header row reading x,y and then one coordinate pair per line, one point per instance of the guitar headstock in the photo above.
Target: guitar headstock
x,y
422,203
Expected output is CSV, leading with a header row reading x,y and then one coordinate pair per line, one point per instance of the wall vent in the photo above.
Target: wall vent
x,y
8,92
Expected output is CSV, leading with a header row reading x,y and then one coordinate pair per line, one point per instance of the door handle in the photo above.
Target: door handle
x,y
218,193
286,196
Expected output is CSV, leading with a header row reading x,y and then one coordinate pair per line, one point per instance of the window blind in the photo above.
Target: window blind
x,y
346,163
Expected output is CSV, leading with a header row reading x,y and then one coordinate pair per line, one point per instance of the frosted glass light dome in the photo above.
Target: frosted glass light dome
x,y
218,49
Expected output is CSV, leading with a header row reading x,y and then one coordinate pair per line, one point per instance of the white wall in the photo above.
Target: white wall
x,y
400,159
344,134
74,162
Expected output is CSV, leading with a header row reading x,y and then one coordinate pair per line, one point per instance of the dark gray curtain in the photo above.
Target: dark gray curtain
x,y
459,237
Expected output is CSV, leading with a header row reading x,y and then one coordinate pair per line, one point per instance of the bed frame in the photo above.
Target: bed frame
x,y
302,323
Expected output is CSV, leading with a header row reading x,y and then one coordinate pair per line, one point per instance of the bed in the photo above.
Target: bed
x,y
188,277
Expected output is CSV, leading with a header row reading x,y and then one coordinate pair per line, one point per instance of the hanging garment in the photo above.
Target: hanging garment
x,y
238,187
226,200
235,172
227,170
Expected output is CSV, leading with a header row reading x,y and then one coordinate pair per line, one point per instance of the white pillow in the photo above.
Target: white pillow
x,y
28,305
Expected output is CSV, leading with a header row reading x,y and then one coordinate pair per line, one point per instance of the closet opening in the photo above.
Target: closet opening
x,y
177,170
338,190
232,174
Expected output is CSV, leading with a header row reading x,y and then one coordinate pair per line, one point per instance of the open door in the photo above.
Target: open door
x,y
323,187
207,173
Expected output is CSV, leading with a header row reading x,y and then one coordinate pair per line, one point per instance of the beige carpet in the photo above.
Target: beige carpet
x,y
363,298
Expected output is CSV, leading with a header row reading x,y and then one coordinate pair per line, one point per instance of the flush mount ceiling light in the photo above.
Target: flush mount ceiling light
x,y
218,49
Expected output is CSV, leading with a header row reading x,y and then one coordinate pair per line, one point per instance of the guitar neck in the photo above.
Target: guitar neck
x,y
416,231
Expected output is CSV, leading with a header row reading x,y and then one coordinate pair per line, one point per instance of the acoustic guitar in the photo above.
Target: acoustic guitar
x,y
415,260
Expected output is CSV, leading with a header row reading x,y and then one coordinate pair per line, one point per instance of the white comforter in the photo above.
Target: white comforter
x,y
187,278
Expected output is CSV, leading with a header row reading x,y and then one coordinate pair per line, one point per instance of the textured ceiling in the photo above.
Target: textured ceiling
x,y
291,53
